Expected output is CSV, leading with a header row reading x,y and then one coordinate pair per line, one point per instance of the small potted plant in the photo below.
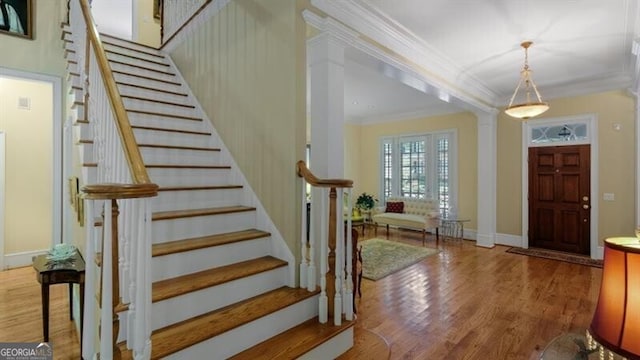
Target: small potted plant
x,y
365,202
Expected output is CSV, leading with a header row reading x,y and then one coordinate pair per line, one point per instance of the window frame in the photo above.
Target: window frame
x,y
431,191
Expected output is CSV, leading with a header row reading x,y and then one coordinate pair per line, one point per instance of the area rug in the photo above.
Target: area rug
x,y
556,255
383,257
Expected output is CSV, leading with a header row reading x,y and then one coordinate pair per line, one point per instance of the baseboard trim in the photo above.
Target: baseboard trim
x,y
509,240
21,259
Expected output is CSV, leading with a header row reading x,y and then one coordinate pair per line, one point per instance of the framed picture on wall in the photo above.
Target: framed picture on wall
x,y
157,8
16,18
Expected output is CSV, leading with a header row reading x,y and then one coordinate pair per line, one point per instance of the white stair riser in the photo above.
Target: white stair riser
x,y
169,230
150,106
171,138
192,177
148,73
136,53
86,153
181,157
72,67
151,94
190,199
79,109
76,94
248,335
183,307
129,45
67,35
168,266
89,175
136,80
82,132
74,80
331,348
155,64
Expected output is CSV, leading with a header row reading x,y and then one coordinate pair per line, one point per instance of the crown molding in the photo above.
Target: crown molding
x,y
395,117
372,23
444,89
603,83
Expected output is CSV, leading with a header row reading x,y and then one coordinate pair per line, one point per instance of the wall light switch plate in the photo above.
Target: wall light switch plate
x,y
608,196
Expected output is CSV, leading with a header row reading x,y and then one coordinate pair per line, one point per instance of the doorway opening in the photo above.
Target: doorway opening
x,y
560,185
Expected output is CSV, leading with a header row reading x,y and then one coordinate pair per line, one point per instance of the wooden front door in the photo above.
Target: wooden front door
x,y
559,198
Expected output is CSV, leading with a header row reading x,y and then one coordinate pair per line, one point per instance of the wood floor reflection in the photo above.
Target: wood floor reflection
x,y
469,302
466,302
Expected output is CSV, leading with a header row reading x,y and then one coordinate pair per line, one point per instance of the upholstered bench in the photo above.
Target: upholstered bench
x,y
409,213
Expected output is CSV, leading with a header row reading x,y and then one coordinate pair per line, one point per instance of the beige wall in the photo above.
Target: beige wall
x,y
616,161
369,157
353,157
148,26
29,164
44,54
247,67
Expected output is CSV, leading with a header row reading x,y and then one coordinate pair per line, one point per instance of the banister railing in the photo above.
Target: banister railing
x,y
335,249
118,192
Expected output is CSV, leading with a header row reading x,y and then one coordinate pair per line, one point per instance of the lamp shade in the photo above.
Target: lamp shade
x,y
616,322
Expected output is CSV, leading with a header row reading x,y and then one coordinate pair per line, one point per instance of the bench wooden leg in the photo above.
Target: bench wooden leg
x,y
424,234
387,231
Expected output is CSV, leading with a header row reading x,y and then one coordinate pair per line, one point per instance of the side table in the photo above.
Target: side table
x,y
50,272
453,228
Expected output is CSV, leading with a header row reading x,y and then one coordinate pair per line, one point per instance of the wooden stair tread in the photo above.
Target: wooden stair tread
x,y
176,166
171,130
141,67
164,114
178,214
111,43
127,41
184,284
145,77
136,57
176,147
157,101
181,335
202,242
206,187
151,89
294,342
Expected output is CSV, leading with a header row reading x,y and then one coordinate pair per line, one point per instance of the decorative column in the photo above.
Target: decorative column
x,y
325,56
487,177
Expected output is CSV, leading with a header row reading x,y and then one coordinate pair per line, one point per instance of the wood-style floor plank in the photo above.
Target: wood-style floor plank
x,y
466,302
469,302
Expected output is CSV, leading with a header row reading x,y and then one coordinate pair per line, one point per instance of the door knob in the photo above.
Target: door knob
x,y
585,198
585,206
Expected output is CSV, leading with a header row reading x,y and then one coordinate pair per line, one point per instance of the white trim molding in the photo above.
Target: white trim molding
x,y
509,240
21,259
487,178
592,139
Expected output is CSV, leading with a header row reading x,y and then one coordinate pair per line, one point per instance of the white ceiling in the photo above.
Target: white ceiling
x,y
580,46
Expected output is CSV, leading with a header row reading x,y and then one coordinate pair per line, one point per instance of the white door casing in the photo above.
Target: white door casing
x,y
592,139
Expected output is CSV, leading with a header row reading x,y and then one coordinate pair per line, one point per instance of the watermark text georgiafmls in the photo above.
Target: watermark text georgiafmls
x,y
26,351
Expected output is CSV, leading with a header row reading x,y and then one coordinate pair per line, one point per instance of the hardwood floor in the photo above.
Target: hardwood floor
x,y
469,302
466,302
21,313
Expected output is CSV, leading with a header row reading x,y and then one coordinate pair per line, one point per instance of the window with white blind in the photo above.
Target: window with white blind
x,y
419,166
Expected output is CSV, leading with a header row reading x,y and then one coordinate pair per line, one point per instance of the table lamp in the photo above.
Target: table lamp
x,y
615,328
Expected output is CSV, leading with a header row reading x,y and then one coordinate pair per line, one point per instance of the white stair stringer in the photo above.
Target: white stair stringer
x,y
245,336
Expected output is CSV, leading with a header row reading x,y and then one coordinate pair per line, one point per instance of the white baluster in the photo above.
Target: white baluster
x,y
89,329
323,301
337,302
304,242
106,315
348,296
312,277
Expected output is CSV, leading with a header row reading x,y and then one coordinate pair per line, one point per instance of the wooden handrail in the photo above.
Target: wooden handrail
x,y
308,176
119,191
131,150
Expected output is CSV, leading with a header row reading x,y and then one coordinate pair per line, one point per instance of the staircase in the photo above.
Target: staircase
x,y
221,276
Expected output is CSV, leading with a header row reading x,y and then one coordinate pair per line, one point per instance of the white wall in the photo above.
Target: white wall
x,y
114,17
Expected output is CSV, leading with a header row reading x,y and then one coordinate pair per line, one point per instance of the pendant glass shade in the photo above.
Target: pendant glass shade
x,y
616,322
531,106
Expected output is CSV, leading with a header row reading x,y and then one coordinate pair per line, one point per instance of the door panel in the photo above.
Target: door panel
x,y
559,189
